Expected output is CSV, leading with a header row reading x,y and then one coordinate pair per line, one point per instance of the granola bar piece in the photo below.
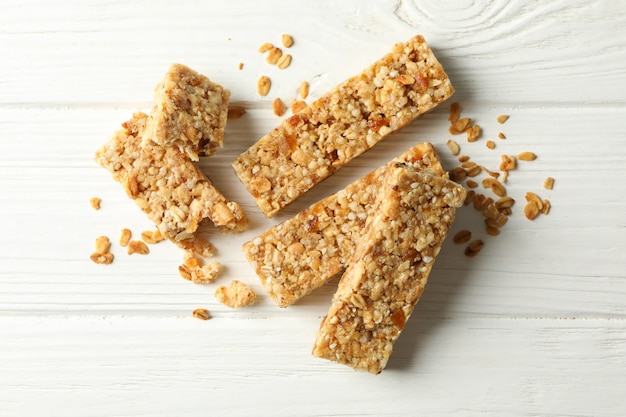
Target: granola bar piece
x,y
389,269
189,112
350,119
304,252
166,185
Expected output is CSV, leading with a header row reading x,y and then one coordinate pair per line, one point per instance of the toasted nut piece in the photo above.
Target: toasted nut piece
x,y
502,118
304,90
474,171
454,147
103,244
507,163
458,174
455,112
459,126
473,133
548,183
532,197
473,248
284,61
102,258
137,246
95,202
526,156
274,55
265,47
462,237
263,85
471,183
201,313
287,40
504,202
490,144
495,186
235,112
531,210
125,237
297,106
278,107
501,135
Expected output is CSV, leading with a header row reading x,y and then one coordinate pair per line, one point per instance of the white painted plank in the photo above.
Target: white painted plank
x,y
86,53
181,366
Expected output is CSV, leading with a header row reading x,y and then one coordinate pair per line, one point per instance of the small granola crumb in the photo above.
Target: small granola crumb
x,y
490,144
263,85
471,183
548,183
240,66
278,107
473,248
125,237
103,244
207,273
473,133
236,295
95,202
137,246
507,163
502,118
201,313
152,236
501,135
287,40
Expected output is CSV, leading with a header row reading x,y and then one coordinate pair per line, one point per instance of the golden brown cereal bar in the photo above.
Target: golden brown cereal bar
x,y
389,268
189,112
304,252
166,185
350,119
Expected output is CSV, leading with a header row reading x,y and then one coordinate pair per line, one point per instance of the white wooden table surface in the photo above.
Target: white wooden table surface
x,y
533,326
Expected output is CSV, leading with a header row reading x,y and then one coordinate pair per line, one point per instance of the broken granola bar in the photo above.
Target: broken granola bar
x,y
189,112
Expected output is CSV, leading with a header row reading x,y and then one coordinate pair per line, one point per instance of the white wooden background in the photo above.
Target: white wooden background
x,y
534,326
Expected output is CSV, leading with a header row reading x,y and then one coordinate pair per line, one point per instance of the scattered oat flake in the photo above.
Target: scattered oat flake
x,y
240,66
278,107
501,135
102,258
454,147
304,90
531,210
473,248
455,112
137,246
526,156
125,236
284,61
471,183
235,112
548,183
184,272
502,118
274,55
95,202
490,144
287,40
297,106
265,47
201,313
103,244
263,85
462,236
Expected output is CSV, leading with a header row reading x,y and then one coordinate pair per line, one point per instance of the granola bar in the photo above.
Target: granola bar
x,y
350,119
304,252
389,269
189,112
166,185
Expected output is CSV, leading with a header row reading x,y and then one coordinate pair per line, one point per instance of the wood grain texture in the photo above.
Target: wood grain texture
x,y
535,325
